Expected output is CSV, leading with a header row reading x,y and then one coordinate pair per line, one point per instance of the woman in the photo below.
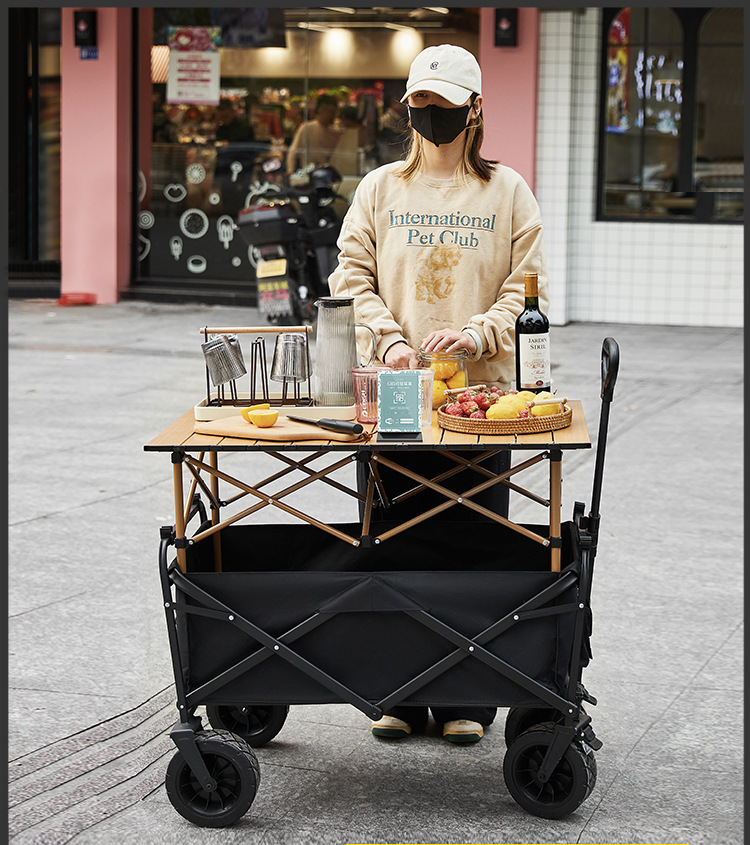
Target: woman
x,y
434,250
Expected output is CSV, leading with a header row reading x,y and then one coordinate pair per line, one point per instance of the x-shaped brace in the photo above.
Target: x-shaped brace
x,y
465,646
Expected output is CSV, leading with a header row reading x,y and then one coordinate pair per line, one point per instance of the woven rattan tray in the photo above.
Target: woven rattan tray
x,y
528,425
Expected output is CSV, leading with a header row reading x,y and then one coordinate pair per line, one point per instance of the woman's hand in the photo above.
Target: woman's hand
x,y
401,356
448,340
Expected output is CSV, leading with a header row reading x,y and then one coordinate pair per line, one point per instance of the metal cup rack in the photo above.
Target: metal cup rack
x,y
301,389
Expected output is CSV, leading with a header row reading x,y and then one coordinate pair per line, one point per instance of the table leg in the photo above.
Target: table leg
x,y
213,460
555,507
179,513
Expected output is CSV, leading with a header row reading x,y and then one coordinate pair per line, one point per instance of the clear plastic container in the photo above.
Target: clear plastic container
x,y
426,380
449,370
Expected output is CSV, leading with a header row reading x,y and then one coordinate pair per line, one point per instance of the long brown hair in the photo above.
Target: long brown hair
x,y
473,163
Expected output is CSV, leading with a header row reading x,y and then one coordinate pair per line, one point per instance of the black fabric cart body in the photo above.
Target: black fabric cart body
x,y
379,614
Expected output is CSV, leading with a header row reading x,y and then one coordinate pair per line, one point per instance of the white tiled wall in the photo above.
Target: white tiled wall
x,y
648,273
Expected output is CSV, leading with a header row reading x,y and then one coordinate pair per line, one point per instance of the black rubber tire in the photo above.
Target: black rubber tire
x,y
257,724
521,719
232,763
568,787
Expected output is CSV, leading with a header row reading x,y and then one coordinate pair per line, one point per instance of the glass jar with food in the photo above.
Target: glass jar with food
x,y
449,370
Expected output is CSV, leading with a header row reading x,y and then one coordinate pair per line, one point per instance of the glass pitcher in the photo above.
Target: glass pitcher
x,y
336,351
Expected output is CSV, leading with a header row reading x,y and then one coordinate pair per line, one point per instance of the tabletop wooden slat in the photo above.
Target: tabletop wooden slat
x,y
196,439
180,435
535,438
497,439
459,438
176,433
435,432
577,431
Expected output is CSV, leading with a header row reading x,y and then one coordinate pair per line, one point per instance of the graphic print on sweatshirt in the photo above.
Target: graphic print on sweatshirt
x,y
438,241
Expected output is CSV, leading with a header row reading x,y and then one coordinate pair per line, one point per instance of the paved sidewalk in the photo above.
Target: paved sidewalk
x,y
91,699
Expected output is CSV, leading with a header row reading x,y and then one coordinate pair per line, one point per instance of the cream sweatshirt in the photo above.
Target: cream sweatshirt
x,y
442,253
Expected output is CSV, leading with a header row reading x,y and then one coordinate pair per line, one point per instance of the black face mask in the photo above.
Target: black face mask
x,y
439,125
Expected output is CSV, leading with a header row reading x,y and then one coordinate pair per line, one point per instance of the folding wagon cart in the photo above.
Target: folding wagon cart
x,y
377,613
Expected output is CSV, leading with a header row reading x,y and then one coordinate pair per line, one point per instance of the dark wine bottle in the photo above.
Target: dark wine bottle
x,y
532,341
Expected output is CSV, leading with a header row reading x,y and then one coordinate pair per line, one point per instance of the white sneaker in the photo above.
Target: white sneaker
x,y
463,731
391,728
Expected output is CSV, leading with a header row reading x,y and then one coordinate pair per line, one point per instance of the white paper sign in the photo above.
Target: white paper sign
x,y
194,65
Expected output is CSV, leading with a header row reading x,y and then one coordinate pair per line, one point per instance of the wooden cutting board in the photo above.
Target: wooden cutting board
x,y
284,429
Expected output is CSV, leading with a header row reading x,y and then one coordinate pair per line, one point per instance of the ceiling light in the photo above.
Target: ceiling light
x,y
317,27
322,26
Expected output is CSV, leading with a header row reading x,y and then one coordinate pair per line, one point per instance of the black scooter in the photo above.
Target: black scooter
x,y
292,233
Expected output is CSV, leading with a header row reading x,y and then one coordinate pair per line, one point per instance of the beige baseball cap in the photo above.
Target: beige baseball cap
x,y
447,70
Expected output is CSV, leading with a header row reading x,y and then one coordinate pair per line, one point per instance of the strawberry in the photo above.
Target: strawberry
x,y
469,407
483,401
454,409
479,414
466,396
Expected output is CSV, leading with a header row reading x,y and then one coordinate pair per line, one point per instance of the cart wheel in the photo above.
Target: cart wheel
x,y
521,719
257,724
234,767
567,788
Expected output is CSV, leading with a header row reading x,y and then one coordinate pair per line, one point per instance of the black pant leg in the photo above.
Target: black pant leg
x,y
484,715
416,716
429,464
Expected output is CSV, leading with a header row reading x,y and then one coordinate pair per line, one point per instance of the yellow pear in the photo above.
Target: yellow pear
x,y
504,411
438,392
545,410
511,400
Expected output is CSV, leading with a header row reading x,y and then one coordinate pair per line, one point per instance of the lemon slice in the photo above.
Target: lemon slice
x,y
262,406
263,418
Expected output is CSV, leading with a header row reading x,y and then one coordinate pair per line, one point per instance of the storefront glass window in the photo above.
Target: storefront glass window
x,y
672,115
270,95
34,140
719,138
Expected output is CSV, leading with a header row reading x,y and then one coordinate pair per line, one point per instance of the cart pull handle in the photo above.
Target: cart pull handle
x,y
610,365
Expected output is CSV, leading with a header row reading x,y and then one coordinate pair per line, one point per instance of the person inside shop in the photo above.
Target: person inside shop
x,y
316,139
353,139
164,130
393,133
235,156
434,249
231,127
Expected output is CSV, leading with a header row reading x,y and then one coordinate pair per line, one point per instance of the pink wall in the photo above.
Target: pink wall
x,y
509,80
145,89
95,168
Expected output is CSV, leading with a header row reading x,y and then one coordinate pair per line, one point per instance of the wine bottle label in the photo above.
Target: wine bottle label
x,y
533,356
